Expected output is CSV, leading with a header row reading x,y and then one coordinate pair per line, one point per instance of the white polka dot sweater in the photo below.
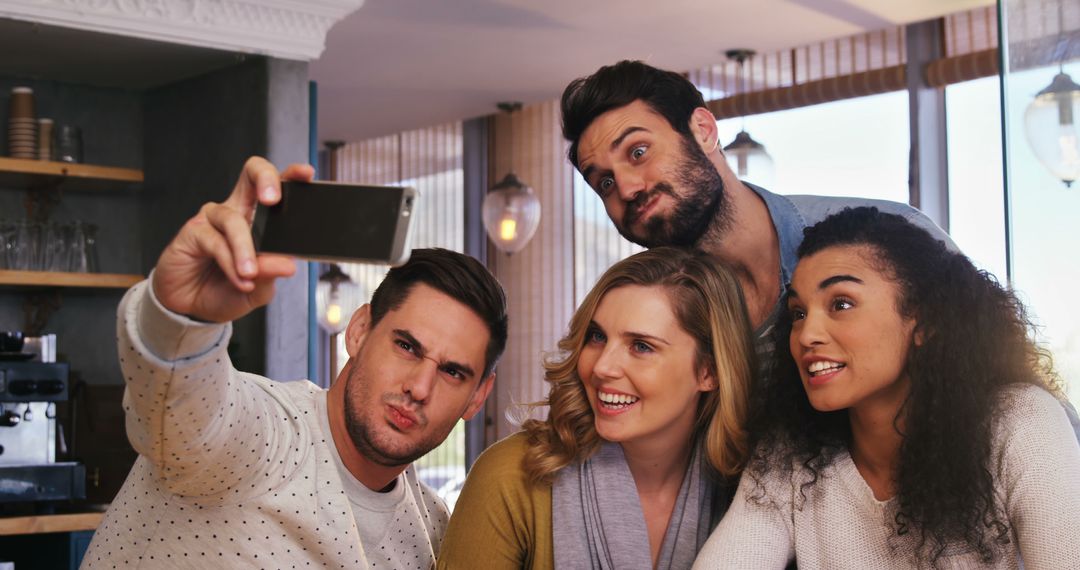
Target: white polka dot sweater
x,y
236,470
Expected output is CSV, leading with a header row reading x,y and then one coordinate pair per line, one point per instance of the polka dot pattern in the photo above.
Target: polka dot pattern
x,y
236,470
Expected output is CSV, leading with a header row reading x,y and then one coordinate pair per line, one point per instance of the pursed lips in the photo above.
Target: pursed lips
x,y
401,416
635,212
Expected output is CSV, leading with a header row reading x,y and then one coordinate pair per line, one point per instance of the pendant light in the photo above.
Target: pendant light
x,y
1051,127
746,156
336,297
1050,120
511,211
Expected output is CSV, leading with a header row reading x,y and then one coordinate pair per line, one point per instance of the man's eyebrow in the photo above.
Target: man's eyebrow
x,y
825,283
588,172
629,131
590,169
418,347
464,369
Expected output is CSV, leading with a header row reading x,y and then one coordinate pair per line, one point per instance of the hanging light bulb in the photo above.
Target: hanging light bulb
x,y
746,156
1051,127
336,297
511,211
511,214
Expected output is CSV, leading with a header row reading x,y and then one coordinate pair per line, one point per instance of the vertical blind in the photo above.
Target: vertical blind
x,y
597,244
1042,33
429,160
864,64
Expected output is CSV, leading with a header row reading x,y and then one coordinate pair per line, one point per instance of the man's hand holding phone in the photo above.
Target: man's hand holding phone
x,y
210,270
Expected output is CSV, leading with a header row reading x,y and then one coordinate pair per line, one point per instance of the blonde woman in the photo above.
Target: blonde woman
x,y
645,427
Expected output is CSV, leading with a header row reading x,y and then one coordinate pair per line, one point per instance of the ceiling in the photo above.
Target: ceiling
x,y
395,65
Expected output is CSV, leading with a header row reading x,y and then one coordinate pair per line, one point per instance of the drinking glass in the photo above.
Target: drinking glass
x,y
7,237
25,250
56,240
83,248
69,147
90,240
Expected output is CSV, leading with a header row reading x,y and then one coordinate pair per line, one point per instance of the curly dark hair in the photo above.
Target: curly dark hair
x,y
668,93
975,342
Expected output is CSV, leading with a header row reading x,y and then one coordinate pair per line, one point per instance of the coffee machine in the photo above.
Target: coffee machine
x,y
29,470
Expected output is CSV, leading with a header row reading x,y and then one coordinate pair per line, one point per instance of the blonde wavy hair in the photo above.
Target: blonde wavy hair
x,y
708,304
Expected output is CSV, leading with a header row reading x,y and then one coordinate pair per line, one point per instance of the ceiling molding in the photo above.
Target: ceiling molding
x,y
288,29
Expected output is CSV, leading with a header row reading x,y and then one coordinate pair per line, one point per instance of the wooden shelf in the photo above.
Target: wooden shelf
x,y
40,279
25,173
50,523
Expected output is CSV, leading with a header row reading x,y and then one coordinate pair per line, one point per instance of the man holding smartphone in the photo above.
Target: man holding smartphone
x,y
237,470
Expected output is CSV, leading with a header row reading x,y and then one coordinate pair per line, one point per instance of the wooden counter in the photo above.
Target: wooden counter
x,y
50,523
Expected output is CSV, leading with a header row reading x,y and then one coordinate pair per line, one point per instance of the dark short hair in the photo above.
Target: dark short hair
x,y
613,86
456,275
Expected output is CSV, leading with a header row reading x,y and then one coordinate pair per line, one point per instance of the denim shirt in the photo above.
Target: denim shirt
x,y
792,214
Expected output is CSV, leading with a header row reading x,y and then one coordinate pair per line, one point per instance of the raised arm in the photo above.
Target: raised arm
x,y
187,410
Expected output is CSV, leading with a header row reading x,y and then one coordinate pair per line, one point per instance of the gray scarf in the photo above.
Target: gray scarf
x,y
598,524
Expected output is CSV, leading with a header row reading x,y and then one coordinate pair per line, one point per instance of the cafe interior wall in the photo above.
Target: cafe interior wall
x,y
111,120
190,137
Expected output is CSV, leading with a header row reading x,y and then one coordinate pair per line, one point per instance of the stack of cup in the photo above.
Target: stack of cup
x,y
22,126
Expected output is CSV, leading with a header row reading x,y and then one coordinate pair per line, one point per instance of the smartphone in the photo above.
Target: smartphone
x,y
328,221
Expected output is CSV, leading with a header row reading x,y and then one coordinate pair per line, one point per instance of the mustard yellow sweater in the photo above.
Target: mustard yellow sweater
x,y
501,520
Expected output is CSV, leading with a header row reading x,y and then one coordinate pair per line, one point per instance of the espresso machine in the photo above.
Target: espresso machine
x,y
29,436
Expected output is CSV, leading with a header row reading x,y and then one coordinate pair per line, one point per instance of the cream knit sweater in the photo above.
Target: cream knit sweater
x,y
238,471
841,525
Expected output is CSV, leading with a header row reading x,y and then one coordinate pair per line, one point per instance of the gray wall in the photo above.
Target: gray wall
x,y
287,315
198,133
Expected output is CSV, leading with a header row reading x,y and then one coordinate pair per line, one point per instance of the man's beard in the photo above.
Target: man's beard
x,y
702,205
368,441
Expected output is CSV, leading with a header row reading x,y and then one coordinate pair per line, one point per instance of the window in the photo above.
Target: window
x,y
597,244
976,184
853,147
1043,237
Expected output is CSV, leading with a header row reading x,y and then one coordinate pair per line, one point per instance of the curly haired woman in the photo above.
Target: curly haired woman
x,y
915,424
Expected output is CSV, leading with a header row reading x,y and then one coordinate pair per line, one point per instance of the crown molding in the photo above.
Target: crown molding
x,y
288,29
